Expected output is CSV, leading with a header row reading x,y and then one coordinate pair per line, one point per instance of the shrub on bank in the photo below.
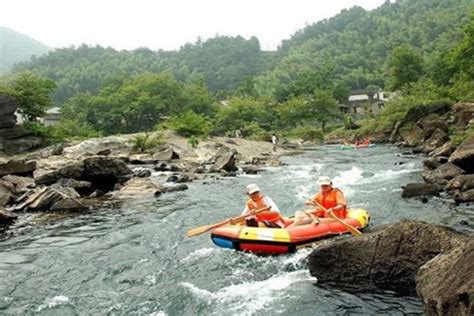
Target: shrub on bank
x,y
307,133
146,141
190,124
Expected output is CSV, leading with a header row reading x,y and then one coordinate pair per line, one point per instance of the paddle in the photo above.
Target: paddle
x,y
354,231
203,229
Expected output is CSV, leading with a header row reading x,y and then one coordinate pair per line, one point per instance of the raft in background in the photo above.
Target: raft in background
x,y
284,240
343,147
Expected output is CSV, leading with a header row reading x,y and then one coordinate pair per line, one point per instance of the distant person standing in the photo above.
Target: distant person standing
x,y
274,142
238,133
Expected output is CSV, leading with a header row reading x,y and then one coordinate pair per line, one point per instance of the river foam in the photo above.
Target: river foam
x,y
248,298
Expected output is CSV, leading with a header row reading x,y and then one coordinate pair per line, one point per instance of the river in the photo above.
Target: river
x,y
135,259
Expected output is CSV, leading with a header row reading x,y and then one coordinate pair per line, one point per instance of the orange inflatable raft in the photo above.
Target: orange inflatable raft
x,y
283,240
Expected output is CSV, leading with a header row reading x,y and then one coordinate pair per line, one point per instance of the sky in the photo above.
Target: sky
x,y
159,24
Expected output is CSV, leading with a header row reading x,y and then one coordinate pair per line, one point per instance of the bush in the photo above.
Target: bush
x,y
147,141
457,136
190,124
193,141
307,133
72,130
254,131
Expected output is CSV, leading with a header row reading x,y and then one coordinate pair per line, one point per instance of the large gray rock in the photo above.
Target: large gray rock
x,y
437,139
138,188
73,170
6,217
463,183
8,105
386,259
5,194
166,154
55,198
19,184
20,145
463,156
429,124
445,284
225,160
464,113
431,163
444,151
463,197
442,174
420,189
16,167
413,136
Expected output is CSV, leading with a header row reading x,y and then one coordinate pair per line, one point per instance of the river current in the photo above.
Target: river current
x,y
134,259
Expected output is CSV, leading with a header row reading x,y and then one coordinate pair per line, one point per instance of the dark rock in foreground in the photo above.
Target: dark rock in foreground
x,y
420,189
386,259
443,174
16,167
6,217
446,283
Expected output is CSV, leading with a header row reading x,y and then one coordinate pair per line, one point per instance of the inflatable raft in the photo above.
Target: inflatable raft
x,y
356,146
283,240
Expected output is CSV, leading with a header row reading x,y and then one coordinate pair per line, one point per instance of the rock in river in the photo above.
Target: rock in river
x,y
463,156
387,258
420,189
442,174
446,283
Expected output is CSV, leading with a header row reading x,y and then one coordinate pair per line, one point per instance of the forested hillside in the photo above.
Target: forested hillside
x,y
222,62
357,43
16,47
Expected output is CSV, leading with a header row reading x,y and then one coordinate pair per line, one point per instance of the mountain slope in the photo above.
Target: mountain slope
x,y
16,47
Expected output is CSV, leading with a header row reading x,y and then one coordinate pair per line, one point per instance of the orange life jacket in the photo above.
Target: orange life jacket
x,y
271,216
329,200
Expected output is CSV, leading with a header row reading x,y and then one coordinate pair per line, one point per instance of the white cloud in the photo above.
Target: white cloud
x,y
127,24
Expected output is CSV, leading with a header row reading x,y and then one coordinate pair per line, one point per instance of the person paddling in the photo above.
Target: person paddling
x,y
257,201
330,198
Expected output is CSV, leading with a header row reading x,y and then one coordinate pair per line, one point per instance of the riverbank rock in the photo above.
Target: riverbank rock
x,y
19,185
461,183
463,156
463,197
445,284
54,198
436,140
102,172
138,188
386,259
445,150
6,217
420,189
431,163
16,167
225,160
463,112
412,136
442,174
5,193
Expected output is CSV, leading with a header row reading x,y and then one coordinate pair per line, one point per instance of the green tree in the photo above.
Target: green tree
x,y
33,94
406,65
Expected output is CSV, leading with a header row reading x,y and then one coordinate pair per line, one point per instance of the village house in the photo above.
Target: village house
x,y
363,102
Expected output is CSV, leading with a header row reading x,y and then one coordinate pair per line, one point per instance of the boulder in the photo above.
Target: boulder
x,y
225,160
6,217
71,170
162,167
14,132
431,163
5,194
19,145
420,189
143,173
442,174
463,197
173,188
386,259
16,167
54,198
463,156
19,184
462,183
445,150
429,124
142,159
98,167
437,139
251,169
8,106
412,136
178,178
445,284
463,113
166,154
138,188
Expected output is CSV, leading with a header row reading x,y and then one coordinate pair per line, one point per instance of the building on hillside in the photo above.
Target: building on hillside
x,y
52,116
362,102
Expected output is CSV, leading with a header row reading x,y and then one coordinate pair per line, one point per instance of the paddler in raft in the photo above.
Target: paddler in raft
x,y
257,201
330,198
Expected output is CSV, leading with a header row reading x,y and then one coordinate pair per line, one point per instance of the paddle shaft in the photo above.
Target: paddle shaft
x,y
354,231
203,229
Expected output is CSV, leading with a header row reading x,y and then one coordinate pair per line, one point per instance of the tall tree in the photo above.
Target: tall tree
x,y
406,65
